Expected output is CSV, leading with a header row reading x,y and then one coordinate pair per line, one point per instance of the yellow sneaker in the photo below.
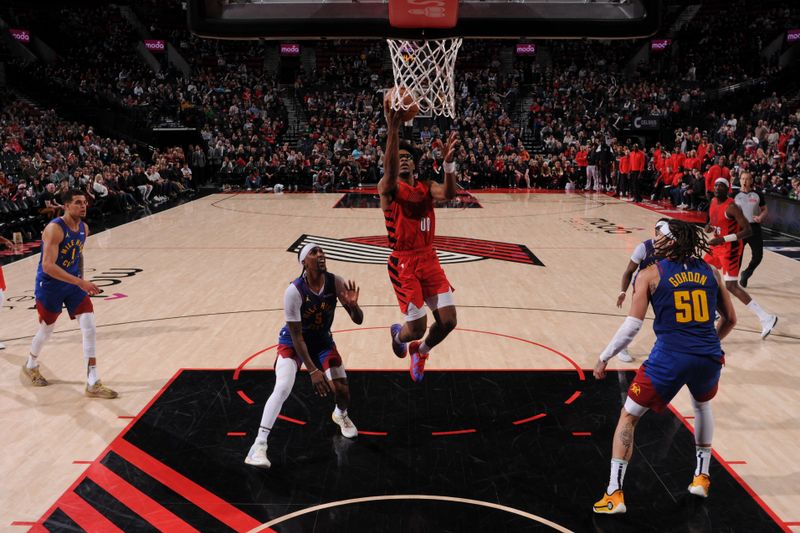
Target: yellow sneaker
x,y
700,485
36,377
613,503
98,390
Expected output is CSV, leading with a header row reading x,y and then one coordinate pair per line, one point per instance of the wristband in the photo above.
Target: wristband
x,y
623,292
449,167
315,370
730,238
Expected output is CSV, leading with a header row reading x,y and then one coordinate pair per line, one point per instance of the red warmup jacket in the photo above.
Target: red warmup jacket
x,y
637,161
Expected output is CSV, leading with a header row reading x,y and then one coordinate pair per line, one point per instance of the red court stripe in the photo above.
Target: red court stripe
x,y
236,433
574,397
86,516
787,523
137,501
292,420
16,523
206,500
456,432
530,419
735,475
245,397
736,462
581,433
126,417
376,433
82,462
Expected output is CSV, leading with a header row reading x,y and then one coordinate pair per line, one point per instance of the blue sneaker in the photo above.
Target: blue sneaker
x,y
399,348
417,367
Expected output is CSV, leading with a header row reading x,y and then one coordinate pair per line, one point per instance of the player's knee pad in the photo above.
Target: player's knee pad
x,y
703,422
41,337
89,330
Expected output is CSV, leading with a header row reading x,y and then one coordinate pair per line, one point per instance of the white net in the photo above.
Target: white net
x,y
425,69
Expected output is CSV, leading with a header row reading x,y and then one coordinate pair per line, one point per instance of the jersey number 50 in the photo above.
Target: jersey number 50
x,y
691,306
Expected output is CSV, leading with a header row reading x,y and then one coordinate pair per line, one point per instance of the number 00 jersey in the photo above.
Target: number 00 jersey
x,y
684,304
410,220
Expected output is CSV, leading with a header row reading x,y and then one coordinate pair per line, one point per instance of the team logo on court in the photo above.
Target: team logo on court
x,y
636,389
375,250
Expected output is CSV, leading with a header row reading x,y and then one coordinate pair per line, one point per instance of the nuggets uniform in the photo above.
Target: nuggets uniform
x,y
414,267
687,350
316,317
52,294
726,256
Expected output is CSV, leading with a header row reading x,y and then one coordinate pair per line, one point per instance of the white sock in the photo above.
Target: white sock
x,y
397,337
91,375
756,309
423,348
285,371
263,435
618,468
32,362
703,460
339,412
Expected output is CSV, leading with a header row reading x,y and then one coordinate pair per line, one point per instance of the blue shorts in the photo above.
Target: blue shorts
x,y
664,373
53,295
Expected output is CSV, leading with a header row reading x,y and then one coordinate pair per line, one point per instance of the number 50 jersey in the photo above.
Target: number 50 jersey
x,y
684,304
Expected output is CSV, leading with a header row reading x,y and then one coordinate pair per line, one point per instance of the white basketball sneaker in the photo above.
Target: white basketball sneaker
x,y
624,356
257,456
348,428
768,325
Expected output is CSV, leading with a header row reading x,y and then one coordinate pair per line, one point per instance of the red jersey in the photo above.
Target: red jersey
x,y
716,217
410,220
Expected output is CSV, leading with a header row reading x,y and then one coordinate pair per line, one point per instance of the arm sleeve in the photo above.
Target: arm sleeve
x,y
622,338
761,201
639,253
292,301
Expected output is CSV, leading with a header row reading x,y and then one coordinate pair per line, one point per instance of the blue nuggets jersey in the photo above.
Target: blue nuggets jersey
x,y
684,304
316,315
650,254
70,251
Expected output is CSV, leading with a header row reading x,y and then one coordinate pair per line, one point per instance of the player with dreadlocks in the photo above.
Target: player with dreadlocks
x,y
684,292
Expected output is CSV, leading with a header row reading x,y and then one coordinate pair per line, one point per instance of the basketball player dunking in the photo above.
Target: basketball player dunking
x,y
59,283
414,269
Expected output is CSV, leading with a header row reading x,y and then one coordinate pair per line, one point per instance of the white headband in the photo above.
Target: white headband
x,y
723,180
305,251
663,227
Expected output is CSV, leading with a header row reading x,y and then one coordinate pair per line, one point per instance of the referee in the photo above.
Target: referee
x,y
754,208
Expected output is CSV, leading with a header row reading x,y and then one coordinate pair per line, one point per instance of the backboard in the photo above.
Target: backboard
x,y
369,19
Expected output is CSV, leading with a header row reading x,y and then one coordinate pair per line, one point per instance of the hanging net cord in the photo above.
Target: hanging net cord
x,y
426,69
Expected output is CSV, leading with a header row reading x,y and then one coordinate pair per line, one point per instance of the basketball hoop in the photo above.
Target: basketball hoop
x,y
426,69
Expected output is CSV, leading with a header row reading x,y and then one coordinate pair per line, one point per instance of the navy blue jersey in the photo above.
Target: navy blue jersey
x,y
316,315
70,252
684,303
650,254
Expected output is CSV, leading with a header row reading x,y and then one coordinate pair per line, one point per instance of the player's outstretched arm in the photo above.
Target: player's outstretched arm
x,y
727,313
633,323
391,157
318,379
448,190
347,292
51,238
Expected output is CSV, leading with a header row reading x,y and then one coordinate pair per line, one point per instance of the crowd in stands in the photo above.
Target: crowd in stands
x,y
576,110
43,156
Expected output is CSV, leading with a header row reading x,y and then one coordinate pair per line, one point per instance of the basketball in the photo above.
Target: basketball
x,y
409,109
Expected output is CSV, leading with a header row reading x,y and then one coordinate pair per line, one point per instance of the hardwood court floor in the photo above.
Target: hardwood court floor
x,y
201,285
